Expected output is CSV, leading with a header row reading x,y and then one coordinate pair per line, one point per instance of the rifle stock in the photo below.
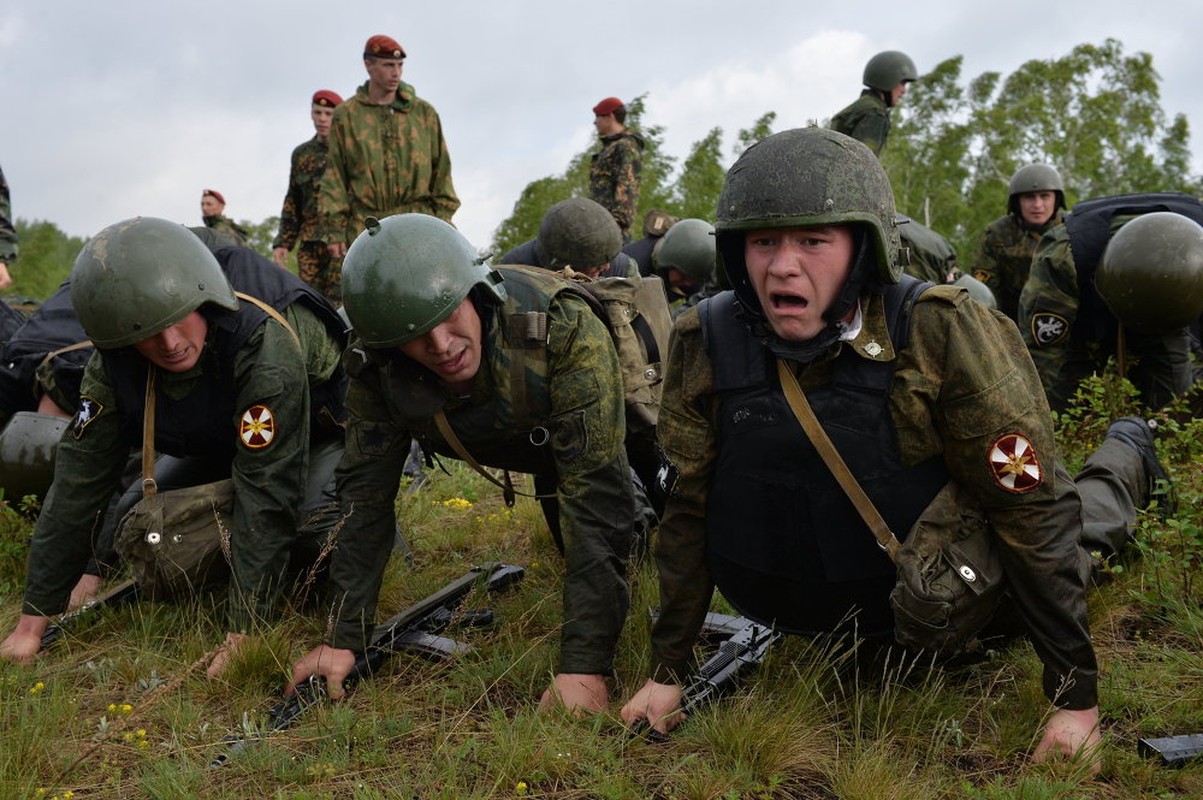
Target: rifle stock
x,y
415,629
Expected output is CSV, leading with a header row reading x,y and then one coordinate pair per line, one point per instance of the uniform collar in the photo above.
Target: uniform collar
x,y
868,335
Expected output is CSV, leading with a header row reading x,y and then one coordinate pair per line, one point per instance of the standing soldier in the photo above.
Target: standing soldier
x,y
237,364
615,169
298,217
1073,322
868,118
1034,202
387,154
510,367
8,235
212,206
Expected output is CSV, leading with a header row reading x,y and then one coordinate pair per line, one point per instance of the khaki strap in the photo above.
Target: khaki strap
x,y
507,488
831,457
53,354
273,313
149,487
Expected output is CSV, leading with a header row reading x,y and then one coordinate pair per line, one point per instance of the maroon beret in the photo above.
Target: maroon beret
x,y
607,106
381,46
216,194
326,98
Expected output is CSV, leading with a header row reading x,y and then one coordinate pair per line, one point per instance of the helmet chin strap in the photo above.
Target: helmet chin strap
x,y
862,274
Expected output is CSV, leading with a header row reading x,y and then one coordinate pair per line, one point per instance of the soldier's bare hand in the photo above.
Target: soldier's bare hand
x,y
337,249
578,692
659,704
332,663
85,591
225,653
280,256
26,639
1072,734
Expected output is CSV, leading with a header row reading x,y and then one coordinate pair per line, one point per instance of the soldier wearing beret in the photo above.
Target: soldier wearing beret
x,y
386,155
299,217
614,172
212,206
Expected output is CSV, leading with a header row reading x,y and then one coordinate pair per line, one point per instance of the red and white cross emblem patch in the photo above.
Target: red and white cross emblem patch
x,y
257,428
1014,465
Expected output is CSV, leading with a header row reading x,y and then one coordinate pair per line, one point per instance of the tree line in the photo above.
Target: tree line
x,y
1095,114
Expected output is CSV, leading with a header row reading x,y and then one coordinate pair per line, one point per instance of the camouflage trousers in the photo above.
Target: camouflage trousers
x,y
319,270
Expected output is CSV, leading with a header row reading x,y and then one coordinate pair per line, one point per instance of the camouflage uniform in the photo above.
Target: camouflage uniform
x,y
227,227
299,221
384,160
866,120
950,410
1005,258
8,234
571,405
1071,334
614,177
269,479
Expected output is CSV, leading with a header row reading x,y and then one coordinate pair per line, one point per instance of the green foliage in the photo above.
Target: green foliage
x,y
260,235
1094,113
47,255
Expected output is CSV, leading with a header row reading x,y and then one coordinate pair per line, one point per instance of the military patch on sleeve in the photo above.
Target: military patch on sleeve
x,y
89,410
666,477
1048,328
257,428
1014,464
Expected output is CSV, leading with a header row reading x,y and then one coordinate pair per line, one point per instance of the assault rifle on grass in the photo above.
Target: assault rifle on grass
x,y
1173,751
414,630
742,646
124,592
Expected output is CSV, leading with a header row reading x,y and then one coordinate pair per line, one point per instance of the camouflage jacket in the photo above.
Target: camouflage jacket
x,y
614,177
384,160
574,447
1004,258
269,480
945,401
8,234
227,227
1071,334
298,217
867,120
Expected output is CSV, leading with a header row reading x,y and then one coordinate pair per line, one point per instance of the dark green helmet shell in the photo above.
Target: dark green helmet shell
x,y
805,177
28,445
138,277
887,69
405,274
688,247
1035,178
1151,274
578,233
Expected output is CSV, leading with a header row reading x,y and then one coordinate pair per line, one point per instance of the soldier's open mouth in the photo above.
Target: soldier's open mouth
x,y
793,301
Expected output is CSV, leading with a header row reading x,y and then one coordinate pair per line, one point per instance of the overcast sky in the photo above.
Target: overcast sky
x,y
131,107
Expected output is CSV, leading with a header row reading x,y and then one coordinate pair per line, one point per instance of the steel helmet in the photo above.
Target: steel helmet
x,y
405,274
138,277
801,177
888,69
977,290
578,233
688,247
1035,178
1151,274
27,448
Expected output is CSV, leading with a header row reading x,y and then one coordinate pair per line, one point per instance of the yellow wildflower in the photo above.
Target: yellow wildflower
x,y
37,688
520,789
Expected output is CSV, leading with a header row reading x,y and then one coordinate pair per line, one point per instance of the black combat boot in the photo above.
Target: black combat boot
x,y
1137,433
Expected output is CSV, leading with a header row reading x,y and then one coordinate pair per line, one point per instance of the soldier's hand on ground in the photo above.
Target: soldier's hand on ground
x,y
331,663
225,653
85,591
659,704
578,692
337,249
26,639
1072,734
280,256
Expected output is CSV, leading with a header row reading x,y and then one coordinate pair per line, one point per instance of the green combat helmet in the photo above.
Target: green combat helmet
x,y
1035,178
977,290
805,176
1151,274
888,69
578,233
27,448
138,277
689,248
405,274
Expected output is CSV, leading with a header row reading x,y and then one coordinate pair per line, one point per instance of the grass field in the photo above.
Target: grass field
x,y
120,708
